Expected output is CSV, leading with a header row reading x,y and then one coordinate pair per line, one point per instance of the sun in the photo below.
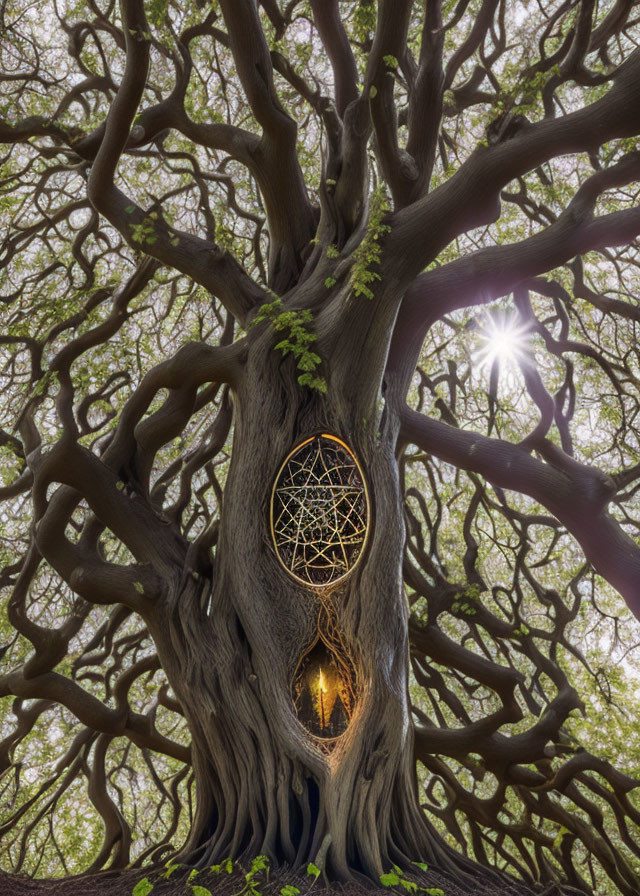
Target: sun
x,y
503,340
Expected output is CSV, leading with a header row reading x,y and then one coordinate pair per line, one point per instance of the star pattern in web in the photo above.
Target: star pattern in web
x,y
319,512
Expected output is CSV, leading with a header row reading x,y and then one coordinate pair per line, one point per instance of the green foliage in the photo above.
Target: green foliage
x,y
397,878
464,602
313,871
297,342
157,11
364,20
369,253
171,866
226,866
145,232
42,385
523,97
560,837
251,879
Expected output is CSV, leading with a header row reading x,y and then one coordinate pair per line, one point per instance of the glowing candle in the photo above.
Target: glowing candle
x,y
321,688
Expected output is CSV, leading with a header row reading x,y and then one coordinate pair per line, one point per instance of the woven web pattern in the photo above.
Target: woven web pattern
x,y
319,512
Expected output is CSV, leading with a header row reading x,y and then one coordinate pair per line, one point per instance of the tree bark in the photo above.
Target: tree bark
x,y
264,784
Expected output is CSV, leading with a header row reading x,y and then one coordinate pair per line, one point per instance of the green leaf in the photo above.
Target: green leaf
x,y
259,864
329,282
142,888
313,870
193,873
560,837
170,867
139,587
289,890
390,879
200,891
309,361
422,865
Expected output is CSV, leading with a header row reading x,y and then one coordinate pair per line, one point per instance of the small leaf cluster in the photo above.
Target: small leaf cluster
x,y
144,887
369,253
157,12
145,232
397,878
522,98
462,603
298,339
50,377
463,607
364,20
252,878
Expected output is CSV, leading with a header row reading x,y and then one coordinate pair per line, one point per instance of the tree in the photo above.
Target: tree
x,y
231,229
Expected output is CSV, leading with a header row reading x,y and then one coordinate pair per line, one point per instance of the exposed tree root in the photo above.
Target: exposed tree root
x,y
122,884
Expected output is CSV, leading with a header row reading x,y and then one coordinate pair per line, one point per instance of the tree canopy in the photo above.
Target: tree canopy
x,y
439,201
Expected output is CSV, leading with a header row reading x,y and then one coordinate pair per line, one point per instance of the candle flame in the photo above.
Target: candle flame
x,y
321,683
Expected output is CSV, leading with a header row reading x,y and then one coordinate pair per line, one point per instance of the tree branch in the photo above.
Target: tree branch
x,y
576,494
200,259
471,196
326,16
292,221
489,273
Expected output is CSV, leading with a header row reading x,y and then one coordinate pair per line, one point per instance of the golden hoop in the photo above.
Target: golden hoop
x,y
320,511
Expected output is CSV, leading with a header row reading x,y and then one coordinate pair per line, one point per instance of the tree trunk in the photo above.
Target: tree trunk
x,y
264,783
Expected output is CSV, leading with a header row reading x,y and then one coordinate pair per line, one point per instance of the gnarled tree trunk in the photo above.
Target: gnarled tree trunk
x,y
264,783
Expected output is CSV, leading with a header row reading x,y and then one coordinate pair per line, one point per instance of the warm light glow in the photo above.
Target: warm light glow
x,y
322,686
503,340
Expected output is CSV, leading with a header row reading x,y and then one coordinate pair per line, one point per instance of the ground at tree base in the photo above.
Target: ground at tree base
x,y
122,884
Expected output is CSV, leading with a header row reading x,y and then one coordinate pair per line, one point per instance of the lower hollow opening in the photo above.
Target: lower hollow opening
x,y
324,691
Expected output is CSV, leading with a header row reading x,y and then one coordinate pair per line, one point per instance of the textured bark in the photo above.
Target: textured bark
x,y
263,784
